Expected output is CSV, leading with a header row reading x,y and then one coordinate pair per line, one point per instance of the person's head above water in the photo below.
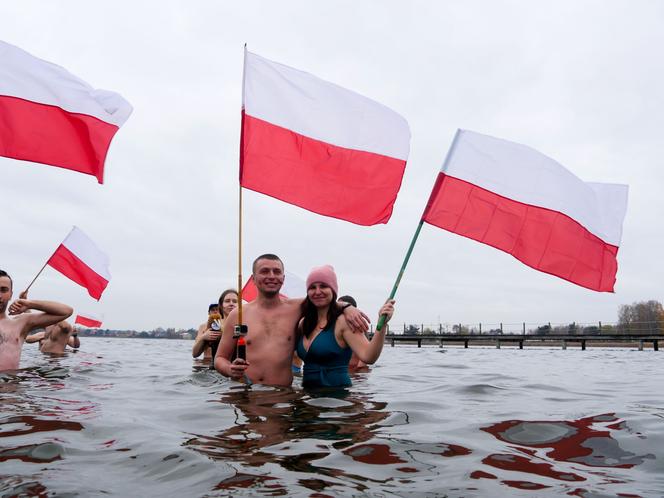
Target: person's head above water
x,y
325,275
227,302
348,299
6,285
268,275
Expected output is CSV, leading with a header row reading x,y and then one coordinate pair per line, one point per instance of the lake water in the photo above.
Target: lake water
x,y
131,417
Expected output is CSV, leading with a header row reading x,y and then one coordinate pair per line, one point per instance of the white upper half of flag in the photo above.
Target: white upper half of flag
x,y
27,77
293,286
523,174
87,251
317,109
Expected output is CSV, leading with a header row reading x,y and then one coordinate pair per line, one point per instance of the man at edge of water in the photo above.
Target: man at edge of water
x,y
15,325
271,323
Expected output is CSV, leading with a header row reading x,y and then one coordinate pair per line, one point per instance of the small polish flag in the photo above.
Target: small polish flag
x,y
293,286
79,259
520,201
50,116
314,144
87,320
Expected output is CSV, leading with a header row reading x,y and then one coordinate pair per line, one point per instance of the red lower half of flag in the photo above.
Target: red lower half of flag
x,y
347,184
47,134
72,267
249,291
546,240
87,322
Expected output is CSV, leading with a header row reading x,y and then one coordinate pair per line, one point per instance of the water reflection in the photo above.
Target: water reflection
x,y
326,440
541,444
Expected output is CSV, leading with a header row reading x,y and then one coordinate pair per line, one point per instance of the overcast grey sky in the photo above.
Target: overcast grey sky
x,y
581,81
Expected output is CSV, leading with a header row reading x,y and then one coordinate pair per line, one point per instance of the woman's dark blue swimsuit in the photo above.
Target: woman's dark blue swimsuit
x,y
326,363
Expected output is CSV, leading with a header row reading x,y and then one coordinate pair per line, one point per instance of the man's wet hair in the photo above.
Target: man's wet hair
x,y
348,299
271,257
3,273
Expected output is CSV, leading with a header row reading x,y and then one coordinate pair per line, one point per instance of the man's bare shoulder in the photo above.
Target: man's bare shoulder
x,y
294,301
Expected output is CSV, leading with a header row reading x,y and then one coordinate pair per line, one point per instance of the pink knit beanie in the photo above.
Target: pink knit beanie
x,y
324,274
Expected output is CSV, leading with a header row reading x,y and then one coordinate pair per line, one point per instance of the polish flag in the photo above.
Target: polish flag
x,y
293,286
79,259
520,201
88,321
314,144
52,117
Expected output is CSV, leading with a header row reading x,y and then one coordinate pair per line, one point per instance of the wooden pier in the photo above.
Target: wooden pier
x,y
550,340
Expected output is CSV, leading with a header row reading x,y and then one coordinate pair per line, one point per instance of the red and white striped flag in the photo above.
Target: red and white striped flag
x,y
294,286
314,144
50,116
520,201
88,320
79,259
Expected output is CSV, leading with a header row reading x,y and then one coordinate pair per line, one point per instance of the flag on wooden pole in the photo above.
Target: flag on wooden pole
x,y
314,144
79,259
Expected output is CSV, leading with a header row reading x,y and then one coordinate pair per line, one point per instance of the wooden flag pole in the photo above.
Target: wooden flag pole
x,y
39,273
239,264
240,328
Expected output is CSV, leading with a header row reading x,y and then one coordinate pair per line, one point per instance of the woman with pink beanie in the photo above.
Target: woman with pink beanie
x,y
326,342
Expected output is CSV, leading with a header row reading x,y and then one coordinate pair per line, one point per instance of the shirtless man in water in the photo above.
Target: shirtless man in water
x,y
55,338
15,325
271,322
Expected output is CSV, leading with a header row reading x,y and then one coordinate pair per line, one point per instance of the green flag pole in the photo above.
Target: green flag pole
x,y
381,320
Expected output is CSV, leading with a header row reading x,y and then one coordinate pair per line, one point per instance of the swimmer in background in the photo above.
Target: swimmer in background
x,y
206,334
209,333
55,338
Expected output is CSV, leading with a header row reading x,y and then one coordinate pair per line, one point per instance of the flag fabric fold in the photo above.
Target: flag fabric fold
x,y
314,144
514,198
88,321
52,117
79,259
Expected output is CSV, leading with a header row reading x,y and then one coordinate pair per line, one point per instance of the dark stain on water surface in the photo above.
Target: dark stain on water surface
x,y
587,441
34,453
13,486
27,424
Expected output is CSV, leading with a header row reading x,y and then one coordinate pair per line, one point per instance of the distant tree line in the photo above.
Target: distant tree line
x,y
158,333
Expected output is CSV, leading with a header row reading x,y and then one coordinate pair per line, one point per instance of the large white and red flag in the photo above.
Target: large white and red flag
x,y
88,320
50,116
79,259
293,286
314,144
514,198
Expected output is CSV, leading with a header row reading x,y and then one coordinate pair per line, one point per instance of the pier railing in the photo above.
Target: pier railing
x,y
521,340
539,328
